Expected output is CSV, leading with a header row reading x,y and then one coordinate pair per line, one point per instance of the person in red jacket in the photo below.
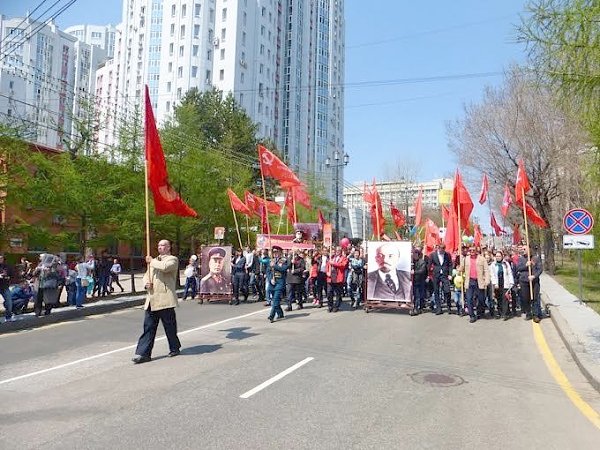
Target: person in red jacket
x,y
336,270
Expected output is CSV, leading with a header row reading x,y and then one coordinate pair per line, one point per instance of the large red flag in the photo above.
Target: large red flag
x,y
301,196
477,235
264,220
452,239
534,216
397,216
483,194
368,194
251,202
419,208
432,235
498,231
166,199
461,200
272,207
516,235
522,185
445,213
506,201
377,219
237,204
272,166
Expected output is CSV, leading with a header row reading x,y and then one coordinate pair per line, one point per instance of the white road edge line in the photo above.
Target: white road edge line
x,y
277,377
129,347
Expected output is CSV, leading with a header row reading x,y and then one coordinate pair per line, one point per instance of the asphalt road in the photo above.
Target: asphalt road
x,y
379,380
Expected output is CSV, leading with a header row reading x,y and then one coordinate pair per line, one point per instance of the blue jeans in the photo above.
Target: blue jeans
x,y
81,292
190,286
8,303
472,297
276,302
458,299
71,294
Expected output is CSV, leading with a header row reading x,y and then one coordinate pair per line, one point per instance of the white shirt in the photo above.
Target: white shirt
x,y
323,267
116,268
249,259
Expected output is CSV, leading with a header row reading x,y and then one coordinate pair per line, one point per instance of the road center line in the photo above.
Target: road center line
x,y
129,347
277,377
561,379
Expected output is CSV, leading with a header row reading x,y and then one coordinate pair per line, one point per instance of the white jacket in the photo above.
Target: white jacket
x,y
509,280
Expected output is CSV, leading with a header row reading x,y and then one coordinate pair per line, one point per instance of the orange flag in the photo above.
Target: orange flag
x,y
166,199
419,208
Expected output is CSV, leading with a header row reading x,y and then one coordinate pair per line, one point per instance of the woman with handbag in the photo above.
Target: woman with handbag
x,y
84,270
48,279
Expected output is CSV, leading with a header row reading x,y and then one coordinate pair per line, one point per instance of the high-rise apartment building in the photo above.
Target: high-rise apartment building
x,y
283,61
102,36
45,77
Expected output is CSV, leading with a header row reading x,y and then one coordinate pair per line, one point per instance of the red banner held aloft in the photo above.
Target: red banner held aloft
x,y
397,216
272,166
237,204
483,194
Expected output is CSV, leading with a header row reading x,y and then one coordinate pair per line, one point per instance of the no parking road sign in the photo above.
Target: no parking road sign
x,y
578,221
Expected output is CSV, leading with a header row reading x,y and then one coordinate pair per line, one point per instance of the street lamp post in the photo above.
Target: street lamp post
x,y
345,159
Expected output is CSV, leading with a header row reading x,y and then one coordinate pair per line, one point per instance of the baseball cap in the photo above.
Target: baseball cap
x,y
277,248
216,251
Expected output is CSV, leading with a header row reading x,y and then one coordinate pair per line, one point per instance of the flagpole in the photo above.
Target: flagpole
x,y
527,243
280,218
147,198
248,229
294,203
377,219
237,228
264,188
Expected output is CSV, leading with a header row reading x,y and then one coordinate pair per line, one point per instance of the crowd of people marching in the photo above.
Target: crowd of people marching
x,y
478,282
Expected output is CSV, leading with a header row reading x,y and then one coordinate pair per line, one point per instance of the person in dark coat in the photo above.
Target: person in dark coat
x,y
530,294
277,274
238,275
420,272
441,268
296,281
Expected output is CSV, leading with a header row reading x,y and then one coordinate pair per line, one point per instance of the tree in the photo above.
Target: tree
x,y
521,120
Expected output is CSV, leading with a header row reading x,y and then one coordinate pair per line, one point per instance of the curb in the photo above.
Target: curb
x,y
577,351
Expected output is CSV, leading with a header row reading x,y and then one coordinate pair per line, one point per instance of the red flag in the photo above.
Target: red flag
x,y
516,235
534,216
522,185
377,219
289,204
506,201
251,202
498,231
320,219
461,200
264,220
483,194
397,216
166,199
368,195
452,239
272,166
301,196
445,213
237,204
478,235
272,207
432,235
419,208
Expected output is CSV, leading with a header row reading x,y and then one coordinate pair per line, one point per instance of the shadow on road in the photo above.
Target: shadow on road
x,y
239,333
295,316
201,349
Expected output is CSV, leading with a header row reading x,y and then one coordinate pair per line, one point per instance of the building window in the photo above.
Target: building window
x,y
96,35
194,71
221,74
172,15
183,10
180,72
223,34
181,50
170,67
197,10
242,78
222,54
196,31
244,18
209,55
208,76
195,50
178,93
182,32
168,106
243,38
172,29
171,49
224,15
169,86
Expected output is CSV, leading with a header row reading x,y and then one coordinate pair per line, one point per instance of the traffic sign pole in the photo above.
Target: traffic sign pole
x,y
580,275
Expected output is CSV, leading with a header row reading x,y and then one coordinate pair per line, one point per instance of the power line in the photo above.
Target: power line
x,y
8,42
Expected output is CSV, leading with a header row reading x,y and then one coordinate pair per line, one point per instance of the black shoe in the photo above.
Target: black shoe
x,y
472,320
174,353
438,313
300,306
329,309
506,318
528,317
271,319
289,308
138,359
536,319
335,309
230,302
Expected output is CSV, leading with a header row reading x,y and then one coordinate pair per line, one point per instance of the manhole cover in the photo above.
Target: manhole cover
x,y
437,379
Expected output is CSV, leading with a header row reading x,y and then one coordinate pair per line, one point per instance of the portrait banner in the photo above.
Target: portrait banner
x,y
310,231
285,241
388,275
327,235
215,270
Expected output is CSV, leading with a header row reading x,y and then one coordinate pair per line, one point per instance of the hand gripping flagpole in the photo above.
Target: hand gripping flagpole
x,y
264,188
527,243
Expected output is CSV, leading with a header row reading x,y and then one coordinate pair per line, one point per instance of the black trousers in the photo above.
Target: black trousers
x,y
151,318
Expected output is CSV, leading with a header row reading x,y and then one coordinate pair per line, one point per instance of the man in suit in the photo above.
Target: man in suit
x,y
160,281
388,282
441,270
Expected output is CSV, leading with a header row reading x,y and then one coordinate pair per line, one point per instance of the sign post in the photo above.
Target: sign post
x,y
578,223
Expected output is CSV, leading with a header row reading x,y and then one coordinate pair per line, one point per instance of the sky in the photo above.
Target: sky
x,y
410,68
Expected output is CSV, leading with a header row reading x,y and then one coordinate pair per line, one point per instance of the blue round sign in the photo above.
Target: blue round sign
x,y
578,221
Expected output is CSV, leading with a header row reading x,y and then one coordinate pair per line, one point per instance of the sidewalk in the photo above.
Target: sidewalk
x,y
578,326
92,306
